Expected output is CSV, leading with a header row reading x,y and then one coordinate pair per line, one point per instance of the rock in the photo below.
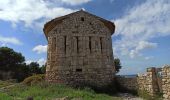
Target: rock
x,y
165,96
30,98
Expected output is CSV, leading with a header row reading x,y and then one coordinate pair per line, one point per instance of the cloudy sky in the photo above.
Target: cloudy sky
x,y
141,40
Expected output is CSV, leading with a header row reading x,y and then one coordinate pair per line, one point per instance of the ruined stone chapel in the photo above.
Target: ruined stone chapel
x,y
80,50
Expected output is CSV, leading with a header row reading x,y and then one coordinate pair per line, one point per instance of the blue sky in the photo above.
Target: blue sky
x,y
141,39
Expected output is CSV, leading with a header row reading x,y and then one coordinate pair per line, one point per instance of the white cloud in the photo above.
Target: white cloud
x,y
149,58
145,45
142,45
40,61
35,13
75,2
9,40
141,24
30,12
40,49
28,61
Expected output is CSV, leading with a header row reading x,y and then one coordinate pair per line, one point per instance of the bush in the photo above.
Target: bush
x,y
146,96
34,79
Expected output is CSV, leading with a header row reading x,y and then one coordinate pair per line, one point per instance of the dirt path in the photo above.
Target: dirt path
x,y
6,87
127,96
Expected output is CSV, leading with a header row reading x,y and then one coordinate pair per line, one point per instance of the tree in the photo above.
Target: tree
x,y
11,61
34,68
22,72
43,69
117,64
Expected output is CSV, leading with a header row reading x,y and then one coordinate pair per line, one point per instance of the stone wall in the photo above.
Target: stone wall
x,y
6,75
148,82
127,83
80,52
166,82
156,81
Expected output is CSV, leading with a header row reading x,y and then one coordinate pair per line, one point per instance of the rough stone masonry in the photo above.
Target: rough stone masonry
x,y
80,50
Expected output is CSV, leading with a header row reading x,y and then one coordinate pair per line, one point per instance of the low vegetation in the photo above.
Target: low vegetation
x,y
46,91
146,96
34,79
34,86
5,83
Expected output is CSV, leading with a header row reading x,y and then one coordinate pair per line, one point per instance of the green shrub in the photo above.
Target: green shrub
x,y
34,79
146,96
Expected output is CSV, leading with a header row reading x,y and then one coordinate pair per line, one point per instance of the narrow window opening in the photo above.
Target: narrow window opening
x,y
101,46
65,44
78,70
90,44
54,43
77,41
82,18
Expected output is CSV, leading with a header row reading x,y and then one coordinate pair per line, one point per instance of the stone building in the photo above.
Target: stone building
x,y
80,50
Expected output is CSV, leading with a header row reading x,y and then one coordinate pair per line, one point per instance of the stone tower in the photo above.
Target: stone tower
x,y
80,50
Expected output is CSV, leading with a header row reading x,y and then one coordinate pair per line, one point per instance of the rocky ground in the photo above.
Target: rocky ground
x,y
127,96
124,96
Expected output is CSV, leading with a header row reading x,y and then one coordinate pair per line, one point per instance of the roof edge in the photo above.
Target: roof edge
x,y
51,24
